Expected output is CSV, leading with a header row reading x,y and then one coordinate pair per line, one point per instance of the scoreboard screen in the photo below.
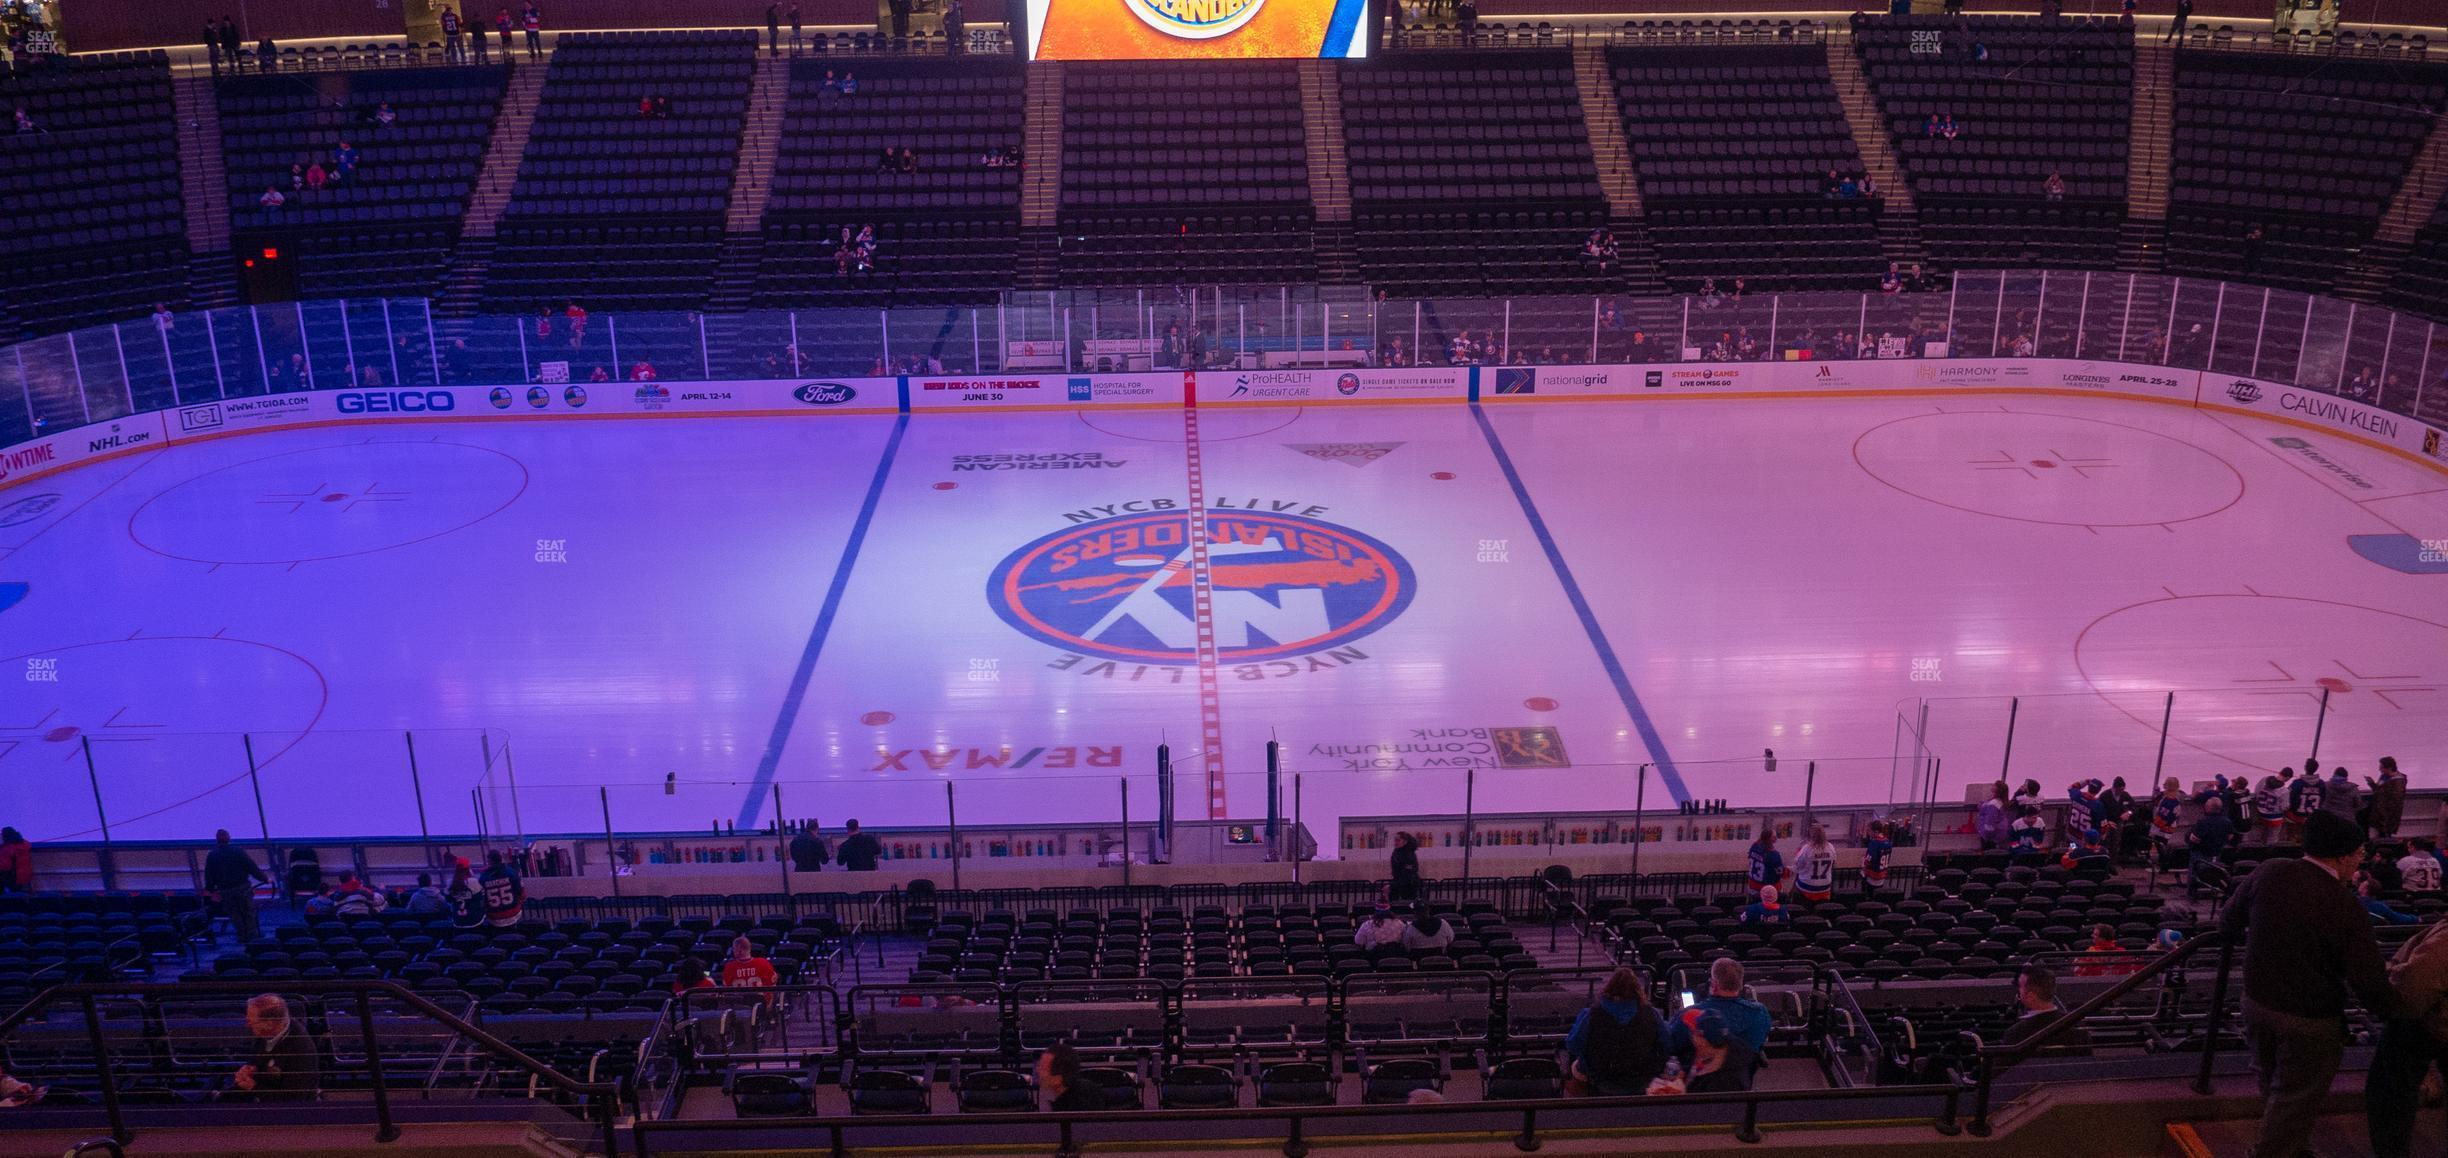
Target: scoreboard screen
x,y
1196,29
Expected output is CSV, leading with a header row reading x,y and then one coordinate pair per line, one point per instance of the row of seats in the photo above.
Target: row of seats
x,y
95,227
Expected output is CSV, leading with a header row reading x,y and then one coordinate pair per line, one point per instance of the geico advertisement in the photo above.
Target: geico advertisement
x,y
1195,29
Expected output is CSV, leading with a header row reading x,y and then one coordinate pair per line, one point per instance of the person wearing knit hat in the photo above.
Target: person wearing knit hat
x,y
2307,946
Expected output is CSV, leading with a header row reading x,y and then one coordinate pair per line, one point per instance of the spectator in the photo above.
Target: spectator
x,y
353,898
858,851
466,900
1929,126
955,28
1989,822
744,969
1814,866
909,159
796,27
887,162
2028,834
1616,1046
297,178
25,121
2103,957
2028,795
1766,910
267,55
2087,856
532,20
2381,914
344,158
505,895
16,862
452,51
2409,1046
476,39
690,976
1746,1019
849,83
1869,187
2211,838
2269,811
1767,865
383,116
1830,185
315,177
642,371
2036,1009
2054,186
1380,931
599,374
2340,797
1427,932
272,198
287,1065
900,19
1405,867
646,107
425,900
1723,1061
2387,808
577,316
1058,1074
2418,871
808,850
832,85
502,24
2176,27
773,29
2307,945
1878,845
230,876
212,46
662,108
14,1093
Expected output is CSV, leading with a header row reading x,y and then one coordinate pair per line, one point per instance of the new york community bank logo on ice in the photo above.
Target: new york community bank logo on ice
x,y
1117,586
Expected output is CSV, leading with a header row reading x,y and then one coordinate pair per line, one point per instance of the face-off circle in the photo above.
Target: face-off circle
x,y
328,502
2239,662
2048,468
158,743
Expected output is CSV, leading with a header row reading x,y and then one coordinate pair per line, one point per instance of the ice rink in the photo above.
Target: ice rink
x,y
860,609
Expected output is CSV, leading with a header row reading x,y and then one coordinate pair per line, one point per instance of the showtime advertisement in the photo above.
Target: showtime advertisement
x,y
42,456
1196,29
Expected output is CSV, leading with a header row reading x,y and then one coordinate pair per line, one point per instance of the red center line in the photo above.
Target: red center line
x,y
1211,706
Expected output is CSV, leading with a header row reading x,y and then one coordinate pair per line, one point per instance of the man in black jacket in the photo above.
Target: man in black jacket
x,y
2307,943
859,851
229,880
808,852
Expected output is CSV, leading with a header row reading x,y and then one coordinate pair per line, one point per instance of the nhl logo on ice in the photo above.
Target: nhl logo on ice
x,y
2245,393
1280,585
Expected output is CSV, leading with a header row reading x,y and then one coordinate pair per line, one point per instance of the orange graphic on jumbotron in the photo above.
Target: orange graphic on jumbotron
x,y
1191,29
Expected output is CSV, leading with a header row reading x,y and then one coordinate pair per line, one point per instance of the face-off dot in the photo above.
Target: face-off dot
x,y
1539,704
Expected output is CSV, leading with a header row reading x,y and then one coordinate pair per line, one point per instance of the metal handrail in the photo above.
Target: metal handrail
x,y
1295,1117
605,1096
1993,1058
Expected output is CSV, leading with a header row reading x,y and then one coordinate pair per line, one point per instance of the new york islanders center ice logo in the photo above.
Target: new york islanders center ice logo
x,y
1281,585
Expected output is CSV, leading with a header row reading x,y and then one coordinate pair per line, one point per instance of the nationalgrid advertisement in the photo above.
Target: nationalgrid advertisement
x,y
1196,29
